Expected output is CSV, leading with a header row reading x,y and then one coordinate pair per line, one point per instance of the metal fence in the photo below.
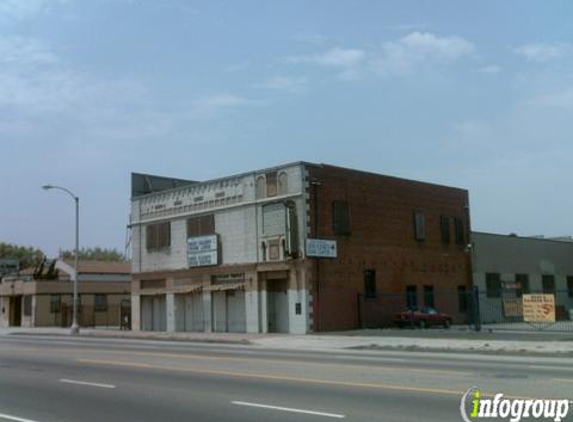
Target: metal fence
x,y
503,310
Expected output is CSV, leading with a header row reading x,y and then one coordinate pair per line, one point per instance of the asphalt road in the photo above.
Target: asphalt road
x,y
49,379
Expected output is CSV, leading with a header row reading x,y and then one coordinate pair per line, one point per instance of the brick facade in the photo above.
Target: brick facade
x,y
382,238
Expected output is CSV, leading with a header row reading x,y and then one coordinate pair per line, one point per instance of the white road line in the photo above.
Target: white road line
x,y
14,418
557,368
288,409
91,384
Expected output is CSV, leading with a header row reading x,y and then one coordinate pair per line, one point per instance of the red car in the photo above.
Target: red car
x,y
424,317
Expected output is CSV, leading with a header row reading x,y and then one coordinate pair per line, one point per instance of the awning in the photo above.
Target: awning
x,y
186,289
221,287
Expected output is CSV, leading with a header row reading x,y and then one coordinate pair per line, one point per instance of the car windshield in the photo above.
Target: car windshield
x,y
430,311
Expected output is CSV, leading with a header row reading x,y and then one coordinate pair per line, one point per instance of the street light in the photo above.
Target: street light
x,y
75,329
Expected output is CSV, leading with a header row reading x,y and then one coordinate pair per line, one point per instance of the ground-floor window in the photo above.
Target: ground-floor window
x,y
27,305
55,304
411,297
462,299
100,303
429,296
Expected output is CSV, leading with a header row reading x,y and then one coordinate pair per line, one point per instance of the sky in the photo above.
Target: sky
x,y
477,95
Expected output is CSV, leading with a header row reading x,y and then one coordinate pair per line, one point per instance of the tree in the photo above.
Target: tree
x,y
28,256
95,254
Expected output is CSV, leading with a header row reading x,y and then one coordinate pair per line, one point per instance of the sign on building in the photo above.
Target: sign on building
x,y
9,266
202,251
321,248
538,308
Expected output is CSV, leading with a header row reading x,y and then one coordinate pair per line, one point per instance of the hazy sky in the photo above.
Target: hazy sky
x,y
472,94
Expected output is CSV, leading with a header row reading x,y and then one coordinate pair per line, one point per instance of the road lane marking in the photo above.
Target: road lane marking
x,y
562,380
276,377
556,368
89,384
288,409
14,418
278,361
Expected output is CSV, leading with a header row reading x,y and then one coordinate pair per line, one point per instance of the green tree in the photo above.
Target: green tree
x,y
95,254
28,256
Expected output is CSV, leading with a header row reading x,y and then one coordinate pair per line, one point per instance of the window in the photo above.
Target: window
x,y
445,229
100,303
548,283
271,184
55,304
340,218
370,284
462,299
523,281
283,183
570,285
419,226
429,296
493,285
201,226
27,305
411,297
459,231
158,236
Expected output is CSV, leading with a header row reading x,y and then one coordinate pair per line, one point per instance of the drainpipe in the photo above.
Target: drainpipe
x,y
316,184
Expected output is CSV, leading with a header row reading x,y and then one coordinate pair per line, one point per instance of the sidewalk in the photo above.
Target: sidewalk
x,y
370,340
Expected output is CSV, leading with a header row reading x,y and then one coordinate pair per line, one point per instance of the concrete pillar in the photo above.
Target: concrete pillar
x,y
207,311
170,312
264,316
33,315
252,305
5,311
135,313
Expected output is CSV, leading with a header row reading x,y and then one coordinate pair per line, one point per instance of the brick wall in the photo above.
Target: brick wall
x,y
382,239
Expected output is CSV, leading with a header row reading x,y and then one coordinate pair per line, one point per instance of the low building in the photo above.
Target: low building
x,y
104,289
295,248
505,267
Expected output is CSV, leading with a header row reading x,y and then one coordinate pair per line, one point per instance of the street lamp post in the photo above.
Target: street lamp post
x,y
75,329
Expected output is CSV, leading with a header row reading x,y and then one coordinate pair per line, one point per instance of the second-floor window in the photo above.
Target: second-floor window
x,y
340,218
419,226
460,231
445,229
201,226
548,283
158,236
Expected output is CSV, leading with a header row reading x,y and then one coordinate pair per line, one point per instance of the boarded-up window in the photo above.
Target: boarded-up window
x,y
201,226
274,250
100,303
340,218
493,285
261,187
27,305
271,184
370,284
460,231
283,183
419,226
158,236
445,229
55,304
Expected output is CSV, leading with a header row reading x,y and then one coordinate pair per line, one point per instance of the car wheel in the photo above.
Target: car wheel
x,y
423,324
447,324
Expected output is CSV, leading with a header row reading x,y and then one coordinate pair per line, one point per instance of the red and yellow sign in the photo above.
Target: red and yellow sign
x,y
538,308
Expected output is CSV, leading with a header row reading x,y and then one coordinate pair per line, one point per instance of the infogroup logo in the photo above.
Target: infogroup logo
x,y
474,407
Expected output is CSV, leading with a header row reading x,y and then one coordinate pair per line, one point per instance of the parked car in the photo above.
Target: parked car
x,y
423,317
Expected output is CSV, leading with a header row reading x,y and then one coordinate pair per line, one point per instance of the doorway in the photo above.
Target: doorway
x,y
277,306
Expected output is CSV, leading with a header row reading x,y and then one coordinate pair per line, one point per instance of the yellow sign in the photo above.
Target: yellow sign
x,y
538,308
512,308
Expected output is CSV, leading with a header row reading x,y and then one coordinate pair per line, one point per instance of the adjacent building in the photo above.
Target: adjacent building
x,y
30,300
507,266
296,248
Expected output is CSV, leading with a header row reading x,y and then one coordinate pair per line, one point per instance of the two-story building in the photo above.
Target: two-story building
x,y
290,248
